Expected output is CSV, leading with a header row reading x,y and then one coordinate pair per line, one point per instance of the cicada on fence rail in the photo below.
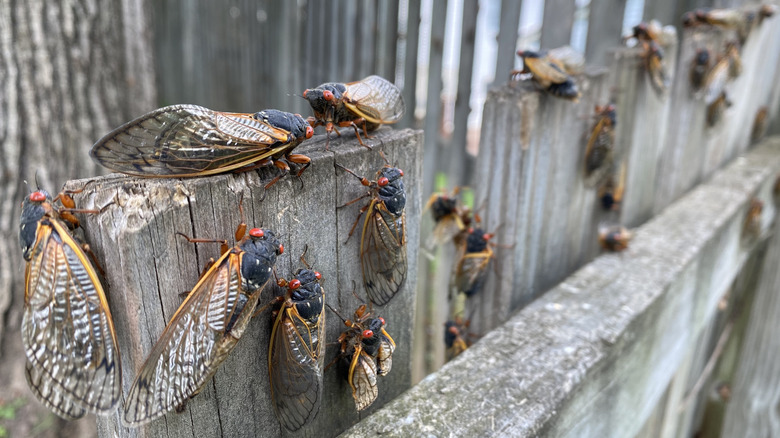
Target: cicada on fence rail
x,y
368,348
383,242
614,238
599,152
189,140
367,104
205,328
296,352
73,364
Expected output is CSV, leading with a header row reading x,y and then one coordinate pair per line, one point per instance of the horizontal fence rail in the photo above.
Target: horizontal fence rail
x,y
148,267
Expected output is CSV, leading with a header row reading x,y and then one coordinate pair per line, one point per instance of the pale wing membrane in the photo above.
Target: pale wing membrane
x,y
73,362
296,361
363,380
445,230
384,356
383,253
376,99
472,273
186,140
193,344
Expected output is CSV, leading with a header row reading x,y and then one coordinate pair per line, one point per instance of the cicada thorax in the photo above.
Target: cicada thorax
x,y
472,267
70,371
216,313
297,350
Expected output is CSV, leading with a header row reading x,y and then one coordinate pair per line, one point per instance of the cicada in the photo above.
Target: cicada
x,y
455,337
448,216
723,18
653,56
735,59
752,225
600,149
614,238
205,328
383,242
73,364
760,123
717,108
700,67
367,103
369,350
549,73
611,191
189,140
297,350
646,32
473,262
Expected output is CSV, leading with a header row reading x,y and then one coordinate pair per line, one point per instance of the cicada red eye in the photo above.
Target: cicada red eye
x,y
471,230
317,275
401,172
382,319
256,232
37,197
281,249
487,236
383,181
327,95
309,131
368,334
295,284
305,92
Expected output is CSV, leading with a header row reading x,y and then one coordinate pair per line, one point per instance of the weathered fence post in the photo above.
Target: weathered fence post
x,y
148,266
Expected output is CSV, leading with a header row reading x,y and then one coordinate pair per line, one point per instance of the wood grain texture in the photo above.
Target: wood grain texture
x,y
148,266
69,72
595,355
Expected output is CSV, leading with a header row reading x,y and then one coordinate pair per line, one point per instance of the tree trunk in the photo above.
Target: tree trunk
x,y
69,72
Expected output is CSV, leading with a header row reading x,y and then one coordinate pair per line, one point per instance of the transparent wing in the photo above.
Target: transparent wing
x,y
362,378
295,362
375,99
202,332
384,358
68,335
383,253
445,230
472,272
187,140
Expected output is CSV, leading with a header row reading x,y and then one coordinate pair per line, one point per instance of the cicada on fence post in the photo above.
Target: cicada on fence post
x,y
383,242
369,350
367,104
599,153
456,337
189,141
473,262
450,218
73,364
550,73
296,352
204,329
700,67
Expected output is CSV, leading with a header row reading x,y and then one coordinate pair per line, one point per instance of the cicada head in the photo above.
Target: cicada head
x,y
34,207
477,240
443,206
325,97
391,189
306,294
260,251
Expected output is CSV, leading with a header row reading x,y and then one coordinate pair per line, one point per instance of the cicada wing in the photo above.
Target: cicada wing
x,y
715,82
445,230
202,332
599,154
383,253
545,71
362,379
295,362
472,272
67,331
384,358
186,140
375,99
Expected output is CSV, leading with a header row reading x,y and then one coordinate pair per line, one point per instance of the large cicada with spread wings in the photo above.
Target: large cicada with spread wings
x,y
190,140
205,328
73,364
296,352
367,103
383,242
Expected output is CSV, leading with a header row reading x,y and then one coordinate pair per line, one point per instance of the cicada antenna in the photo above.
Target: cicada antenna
x,y
303,256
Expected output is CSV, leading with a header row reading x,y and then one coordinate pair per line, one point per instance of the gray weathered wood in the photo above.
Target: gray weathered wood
x,y
507,39
605,25
557,22
411,42
147,267
433,106
69,72
595,355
